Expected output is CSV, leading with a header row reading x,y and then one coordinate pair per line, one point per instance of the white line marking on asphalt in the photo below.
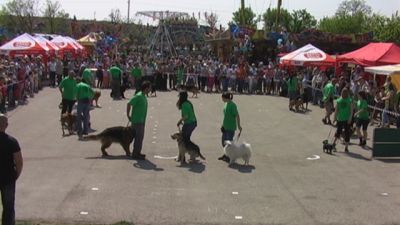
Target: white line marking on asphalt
x,y
95,189
154,137
235,193
238,217
384,194
155,125
154,142
84,213
314,157
164,157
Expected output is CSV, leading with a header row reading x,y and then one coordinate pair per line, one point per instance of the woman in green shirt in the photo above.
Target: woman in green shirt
x,y
362,117
231,121
188,119
343,116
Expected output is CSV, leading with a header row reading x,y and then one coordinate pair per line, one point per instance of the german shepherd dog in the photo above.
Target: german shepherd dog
x,y
122,135
68,121
194,151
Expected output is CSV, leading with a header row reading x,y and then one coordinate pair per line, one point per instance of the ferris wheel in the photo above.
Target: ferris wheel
x,y
161,43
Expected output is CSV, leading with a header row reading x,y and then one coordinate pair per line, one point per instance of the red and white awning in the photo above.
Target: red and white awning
x,y
54,49
65,45
308,55
24,44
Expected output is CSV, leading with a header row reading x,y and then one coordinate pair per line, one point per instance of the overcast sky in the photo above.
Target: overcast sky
x,y
100,9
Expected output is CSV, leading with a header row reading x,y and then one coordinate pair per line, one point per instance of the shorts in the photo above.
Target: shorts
x,y
329,106
362,123
343,125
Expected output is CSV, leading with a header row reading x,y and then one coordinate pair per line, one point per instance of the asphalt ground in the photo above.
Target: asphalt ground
x,y
67,181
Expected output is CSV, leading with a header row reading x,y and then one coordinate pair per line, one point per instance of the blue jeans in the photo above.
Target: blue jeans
x,y
227,136
8,202
385,117
83,116
187,130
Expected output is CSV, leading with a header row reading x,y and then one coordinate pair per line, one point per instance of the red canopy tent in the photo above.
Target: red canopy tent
x,y
308,55
54,50
373,54
65,45
24,44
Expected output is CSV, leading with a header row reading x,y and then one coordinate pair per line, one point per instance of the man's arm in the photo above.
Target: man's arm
x,y
238,122
128,111
18,162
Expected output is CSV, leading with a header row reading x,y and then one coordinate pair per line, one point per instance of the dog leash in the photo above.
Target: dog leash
x,y
238,136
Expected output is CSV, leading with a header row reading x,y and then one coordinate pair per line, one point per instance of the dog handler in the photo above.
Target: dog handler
x,y
138,104
68,92
83,93
10,168
231,121
188,119
343,116
362,117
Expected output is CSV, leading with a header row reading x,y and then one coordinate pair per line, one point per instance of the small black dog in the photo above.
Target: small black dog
x,y
328,148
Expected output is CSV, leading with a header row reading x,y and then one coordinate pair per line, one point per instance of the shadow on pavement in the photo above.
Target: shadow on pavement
x,y
243,168
110,157
147,165
195,167
357,156
396,160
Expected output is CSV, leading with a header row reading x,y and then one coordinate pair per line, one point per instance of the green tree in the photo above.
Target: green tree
x,y
21,13
386,29
249,17
301,20
353,7
269,18
55,17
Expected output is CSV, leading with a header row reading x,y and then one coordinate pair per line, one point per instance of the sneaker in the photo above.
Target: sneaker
x,y
346,150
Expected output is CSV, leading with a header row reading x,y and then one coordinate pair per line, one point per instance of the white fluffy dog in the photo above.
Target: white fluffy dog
x,y
235,151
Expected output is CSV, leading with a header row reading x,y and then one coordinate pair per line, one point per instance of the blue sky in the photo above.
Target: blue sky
x,y
88,9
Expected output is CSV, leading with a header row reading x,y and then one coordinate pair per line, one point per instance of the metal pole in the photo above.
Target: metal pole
x,y
129,9
278,15
242,12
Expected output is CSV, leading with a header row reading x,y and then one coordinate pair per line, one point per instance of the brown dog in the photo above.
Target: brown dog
x,y
193,151
122,135
96,97
189,88
68,122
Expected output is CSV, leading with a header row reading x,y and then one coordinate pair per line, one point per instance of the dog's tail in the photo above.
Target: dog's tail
x,y
91,138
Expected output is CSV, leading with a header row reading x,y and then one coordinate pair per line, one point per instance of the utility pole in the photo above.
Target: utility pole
x,y
278,15
242,12
129,9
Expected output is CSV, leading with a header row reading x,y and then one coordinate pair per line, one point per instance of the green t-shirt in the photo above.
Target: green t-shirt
x,y
87,76
136,72
344,109
179,75
329,91
115,72
139,108
292,84
362,105
84,91
188,112
68,85
230,114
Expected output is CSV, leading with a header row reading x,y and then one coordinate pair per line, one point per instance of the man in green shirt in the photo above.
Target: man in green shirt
x,y
83,94
87,76
292,85
68,92
137,76
328,96
116,75
343,116
136,111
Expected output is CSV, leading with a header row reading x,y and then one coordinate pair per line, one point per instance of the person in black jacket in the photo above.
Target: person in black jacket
x,y
10,169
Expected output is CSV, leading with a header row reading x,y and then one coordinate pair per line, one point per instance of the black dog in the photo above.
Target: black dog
x,y
328,148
